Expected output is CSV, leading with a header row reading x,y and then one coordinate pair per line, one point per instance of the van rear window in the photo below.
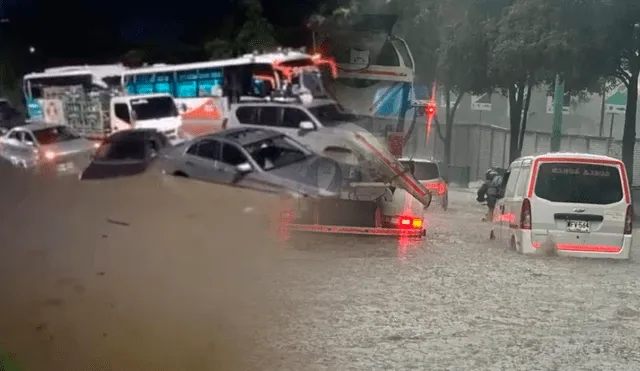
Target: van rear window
x,y
579,183
422,170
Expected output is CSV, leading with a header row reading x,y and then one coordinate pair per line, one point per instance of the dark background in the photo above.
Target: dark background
x,y
89,31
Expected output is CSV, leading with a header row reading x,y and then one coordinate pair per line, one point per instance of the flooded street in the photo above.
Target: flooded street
x,y
148,275
458,301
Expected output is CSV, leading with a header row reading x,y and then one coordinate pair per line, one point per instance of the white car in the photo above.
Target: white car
x,y
573,203
427,172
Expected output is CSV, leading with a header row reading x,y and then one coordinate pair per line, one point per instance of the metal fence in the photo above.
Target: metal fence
x,y
480,146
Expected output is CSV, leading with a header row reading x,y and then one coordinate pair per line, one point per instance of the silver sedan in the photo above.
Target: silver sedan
x,y
265,160
44,147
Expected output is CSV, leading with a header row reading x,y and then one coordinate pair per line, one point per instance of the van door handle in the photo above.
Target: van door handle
x,y
189,163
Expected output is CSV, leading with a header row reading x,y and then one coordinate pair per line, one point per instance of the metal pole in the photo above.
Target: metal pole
x,y
604,95
610,135
558,102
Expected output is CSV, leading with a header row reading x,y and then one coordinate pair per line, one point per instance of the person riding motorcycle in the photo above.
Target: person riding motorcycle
x,y
489,191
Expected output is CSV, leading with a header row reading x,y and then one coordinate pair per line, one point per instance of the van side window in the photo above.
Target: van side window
x,y
122,112
293,117
523,182
510,187
247,115
269,116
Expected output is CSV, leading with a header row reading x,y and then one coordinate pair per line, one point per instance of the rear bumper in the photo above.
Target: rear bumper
x,y
579,250
363,231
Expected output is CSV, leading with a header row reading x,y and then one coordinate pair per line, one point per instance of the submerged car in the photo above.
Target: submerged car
x,y
261,159
46,148
126,153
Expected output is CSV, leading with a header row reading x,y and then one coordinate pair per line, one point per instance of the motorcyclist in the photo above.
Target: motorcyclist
x,y
489,191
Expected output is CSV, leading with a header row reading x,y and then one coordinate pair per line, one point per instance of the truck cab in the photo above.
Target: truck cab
x,y
149,111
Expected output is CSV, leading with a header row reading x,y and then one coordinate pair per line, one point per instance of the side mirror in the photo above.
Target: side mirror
x,y
244,168
183,108
3,131
307,126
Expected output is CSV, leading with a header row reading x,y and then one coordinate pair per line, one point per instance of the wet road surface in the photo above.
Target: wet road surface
x,y
151,275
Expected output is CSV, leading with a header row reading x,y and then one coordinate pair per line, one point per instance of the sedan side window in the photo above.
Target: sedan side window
x,y
209,149
27,138
232,155
15,135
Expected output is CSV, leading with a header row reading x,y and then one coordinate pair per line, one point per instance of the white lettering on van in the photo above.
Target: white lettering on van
x,y
613,216
602,173
565,170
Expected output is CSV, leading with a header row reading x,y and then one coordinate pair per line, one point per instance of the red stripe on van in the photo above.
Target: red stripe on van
x,y
623,171
584,248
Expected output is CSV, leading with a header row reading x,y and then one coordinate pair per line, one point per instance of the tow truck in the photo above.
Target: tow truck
x,y
368,175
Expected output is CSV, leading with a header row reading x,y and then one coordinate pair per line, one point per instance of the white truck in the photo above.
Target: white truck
x,y
90,100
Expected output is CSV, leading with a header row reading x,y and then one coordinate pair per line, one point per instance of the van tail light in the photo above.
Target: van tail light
x,y
440,188
525,215
628,220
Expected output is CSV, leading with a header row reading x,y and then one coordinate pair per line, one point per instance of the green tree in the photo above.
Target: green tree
x,y
450,51
525,42
255,33
619,28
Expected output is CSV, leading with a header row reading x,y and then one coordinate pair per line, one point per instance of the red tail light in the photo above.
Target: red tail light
x,y
409,222
440,188
525,214
628,220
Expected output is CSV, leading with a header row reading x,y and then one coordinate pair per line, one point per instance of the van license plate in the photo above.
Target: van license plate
x,y
578,226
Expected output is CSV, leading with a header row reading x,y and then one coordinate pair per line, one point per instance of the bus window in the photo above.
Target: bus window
x,y
163,83
208,79
144,83
130,85
187,84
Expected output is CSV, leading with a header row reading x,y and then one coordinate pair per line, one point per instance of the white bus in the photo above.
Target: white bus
x,y
198,87
91,78
376,70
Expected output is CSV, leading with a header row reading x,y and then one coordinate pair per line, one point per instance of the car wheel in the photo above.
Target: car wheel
x,y
180,174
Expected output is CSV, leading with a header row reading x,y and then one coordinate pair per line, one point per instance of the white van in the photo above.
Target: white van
x,y
578,204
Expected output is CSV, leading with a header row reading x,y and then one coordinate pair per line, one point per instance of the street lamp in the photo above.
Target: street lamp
x,y
32,49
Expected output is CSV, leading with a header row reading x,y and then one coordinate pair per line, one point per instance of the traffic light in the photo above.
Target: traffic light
x,y
430,109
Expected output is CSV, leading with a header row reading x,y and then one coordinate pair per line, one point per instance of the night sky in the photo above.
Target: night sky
x,y
93,31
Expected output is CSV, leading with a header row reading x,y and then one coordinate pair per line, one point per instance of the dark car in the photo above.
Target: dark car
x,y
261,159
10,117
125,153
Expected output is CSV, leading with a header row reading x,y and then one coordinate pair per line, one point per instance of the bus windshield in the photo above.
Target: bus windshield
x,y
153,108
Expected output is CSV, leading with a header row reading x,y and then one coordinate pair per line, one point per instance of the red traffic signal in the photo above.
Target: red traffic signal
x,y
430,109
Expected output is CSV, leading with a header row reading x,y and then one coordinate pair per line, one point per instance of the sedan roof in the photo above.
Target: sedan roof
x,y
245,136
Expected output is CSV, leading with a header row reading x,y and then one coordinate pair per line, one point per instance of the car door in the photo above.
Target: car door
x,y
232,156
10,144
507,218
28,147
202,160
514,206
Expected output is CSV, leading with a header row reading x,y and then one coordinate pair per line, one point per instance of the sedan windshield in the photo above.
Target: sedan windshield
x,y
276,152
55,134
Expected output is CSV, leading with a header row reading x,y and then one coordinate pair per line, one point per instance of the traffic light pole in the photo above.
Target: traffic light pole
x,y
558,102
